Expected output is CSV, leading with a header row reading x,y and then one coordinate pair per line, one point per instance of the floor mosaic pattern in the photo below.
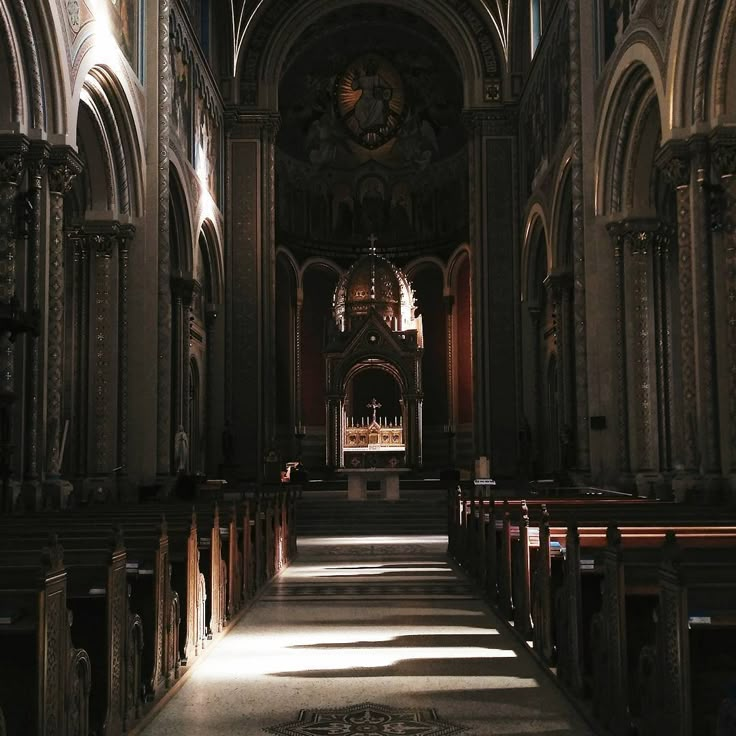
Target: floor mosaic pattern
x,y
367,719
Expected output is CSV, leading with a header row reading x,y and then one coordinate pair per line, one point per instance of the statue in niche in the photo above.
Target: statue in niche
x,y
181,450
371,110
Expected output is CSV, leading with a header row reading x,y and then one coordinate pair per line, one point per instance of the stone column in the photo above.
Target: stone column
x,y
298,389
580,97
164,430
493,224
251,326
13,153
334,431
37,168
637,243
559,285
704,312
687,166
413,430
451,428
64,166
125,237
724,164
102,238
624,459
210,320
76,360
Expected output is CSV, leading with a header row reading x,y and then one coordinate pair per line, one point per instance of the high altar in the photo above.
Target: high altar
x,y
374,328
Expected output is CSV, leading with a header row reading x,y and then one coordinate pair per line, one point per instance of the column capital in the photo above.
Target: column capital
x,y
249,123
491,121
126,233
38,158
673,160
102,235
183,288
723,150
64,165
640,234
559,280
13,152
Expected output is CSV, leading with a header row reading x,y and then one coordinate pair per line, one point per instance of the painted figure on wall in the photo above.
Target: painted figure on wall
x,y
371,110
124,25
181,102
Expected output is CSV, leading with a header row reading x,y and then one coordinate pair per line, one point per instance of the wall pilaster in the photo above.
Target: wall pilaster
x,y
251,323
492,163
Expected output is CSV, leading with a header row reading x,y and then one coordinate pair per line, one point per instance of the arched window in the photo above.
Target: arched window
x,y
535,25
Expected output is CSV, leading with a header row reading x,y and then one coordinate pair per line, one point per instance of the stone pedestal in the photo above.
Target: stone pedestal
x,y
357,487
390,487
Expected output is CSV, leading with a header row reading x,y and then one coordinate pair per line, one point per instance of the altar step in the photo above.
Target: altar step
x,y
331,514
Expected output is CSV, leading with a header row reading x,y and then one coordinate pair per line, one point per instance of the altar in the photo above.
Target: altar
x,y
375,443
389,477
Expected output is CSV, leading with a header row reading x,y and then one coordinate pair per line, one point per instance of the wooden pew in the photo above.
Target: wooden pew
x,y
44,679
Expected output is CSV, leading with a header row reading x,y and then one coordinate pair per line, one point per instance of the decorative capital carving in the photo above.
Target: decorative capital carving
x,y
558,282
723,151
126,234
640,235
102,236
13,152
38,161
183,288
64,165
673,160
249,123
495,121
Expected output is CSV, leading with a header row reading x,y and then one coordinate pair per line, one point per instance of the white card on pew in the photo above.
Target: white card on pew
x,y
699,620
97,591
145,571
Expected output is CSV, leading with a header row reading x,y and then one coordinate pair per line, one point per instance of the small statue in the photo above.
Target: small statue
x,y
181,450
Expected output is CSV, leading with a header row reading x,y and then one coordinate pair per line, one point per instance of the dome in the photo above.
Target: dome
x,y
374,283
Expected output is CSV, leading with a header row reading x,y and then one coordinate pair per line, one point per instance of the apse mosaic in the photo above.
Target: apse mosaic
x,y
368,719
371,138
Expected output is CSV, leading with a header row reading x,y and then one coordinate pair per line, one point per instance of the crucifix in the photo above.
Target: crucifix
x,y
374,405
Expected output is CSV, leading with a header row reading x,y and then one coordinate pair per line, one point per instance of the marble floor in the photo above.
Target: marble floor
x,y
371,636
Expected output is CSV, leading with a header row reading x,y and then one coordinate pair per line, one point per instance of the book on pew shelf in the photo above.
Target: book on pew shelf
x,y
131,566
10,615
587,564
97,591
145,571
698,620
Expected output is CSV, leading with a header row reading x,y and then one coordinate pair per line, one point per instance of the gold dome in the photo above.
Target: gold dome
x,y
374,283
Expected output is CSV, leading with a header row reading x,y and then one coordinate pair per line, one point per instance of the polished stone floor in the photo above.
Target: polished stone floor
x,y
369,636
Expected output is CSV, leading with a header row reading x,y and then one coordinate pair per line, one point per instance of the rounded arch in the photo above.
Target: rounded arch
x,y
326,264
288,258
449,24
38,71
211,250
634,80
723,81
561,213
365,363
180,224
417,264
456,261
536,231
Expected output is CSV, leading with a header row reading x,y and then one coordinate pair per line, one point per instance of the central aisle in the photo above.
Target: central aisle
x,y
373,636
